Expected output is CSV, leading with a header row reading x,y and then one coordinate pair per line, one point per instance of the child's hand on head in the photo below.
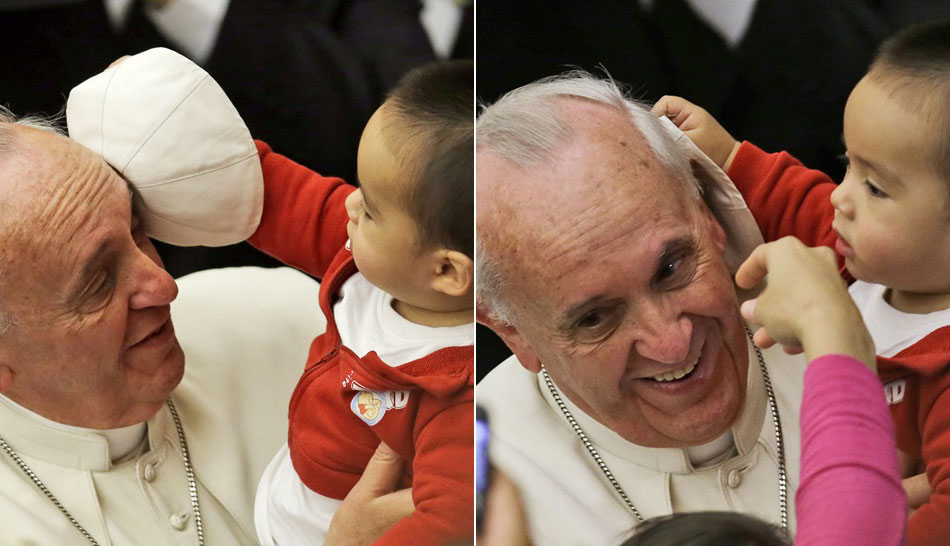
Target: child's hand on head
x,y
703,129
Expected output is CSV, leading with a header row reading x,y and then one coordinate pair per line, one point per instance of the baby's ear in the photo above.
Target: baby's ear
x,y
454,273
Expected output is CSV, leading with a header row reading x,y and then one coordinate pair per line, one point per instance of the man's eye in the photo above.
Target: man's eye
x,y
597,325
97,293
675,270
667,270
874,191
592,320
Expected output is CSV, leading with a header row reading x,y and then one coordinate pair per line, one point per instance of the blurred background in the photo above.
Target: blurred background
x,y
774,72
304,74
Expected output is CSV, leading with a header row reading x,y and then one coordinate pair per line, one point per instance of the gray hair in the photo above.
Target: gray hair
x,y
7,146
528,125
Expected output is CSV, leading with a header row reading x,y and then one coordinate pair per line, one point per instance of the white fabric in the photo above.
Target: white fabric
x,y
118,12
442,21
567,499
367,322
723,199
286,511
713,452
191,25
891,329
241,330
730,20
167,127
122,441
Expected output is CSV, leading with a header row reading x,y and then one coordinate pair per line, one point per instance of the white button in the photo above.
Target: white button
x,y
149,473
734,479
179,521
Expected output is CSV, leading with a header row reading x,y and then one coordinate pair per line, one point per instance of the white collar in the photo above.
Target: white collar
x,y
33,435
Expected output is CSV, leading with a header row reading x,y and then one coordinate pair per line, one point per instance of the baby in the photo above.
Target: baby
x,y
396,361
889,223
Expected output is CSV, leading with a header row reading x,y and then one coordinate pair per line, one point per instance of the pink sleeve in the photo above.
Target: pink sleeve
x,y
850,491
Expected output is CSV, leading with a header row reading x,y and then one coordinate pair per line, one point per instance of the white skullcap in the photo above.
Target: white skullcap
x,y
723,199
167,127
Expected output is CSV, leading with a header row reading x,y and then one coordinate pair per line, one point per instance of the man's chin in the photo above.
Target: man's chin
x,y
699,426
160,373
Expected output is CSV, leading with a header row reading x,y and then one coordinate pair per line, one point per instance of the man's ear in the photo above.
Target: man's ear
x,y
510,335
6,378
715,229
454,273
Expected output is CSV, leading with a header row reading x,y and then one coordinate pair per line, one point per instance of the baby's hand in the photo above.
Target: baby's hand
x,y
703,129
806,305
918,491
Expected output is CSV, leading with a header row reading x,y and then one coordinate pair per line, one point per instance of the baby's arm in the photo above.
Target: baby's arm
x,y
914,479
443,482
785,197
930,524
304,219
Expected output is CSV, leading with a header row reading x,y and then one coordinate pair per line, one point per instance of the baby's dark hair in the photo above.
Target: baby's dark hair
x,y
708,529
434,107
915,65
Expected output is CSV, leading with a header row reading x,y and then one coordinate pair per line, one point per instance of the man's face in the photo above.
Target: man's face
x,y
92,342
626,299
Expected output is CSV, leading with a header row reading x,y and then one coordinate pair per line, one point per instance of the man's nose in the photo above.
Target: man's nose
x,y
664,337
152,285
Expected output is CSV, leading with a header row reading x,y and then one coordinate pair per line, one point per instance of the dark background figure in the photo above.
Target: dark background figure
x,y
774,72
304,74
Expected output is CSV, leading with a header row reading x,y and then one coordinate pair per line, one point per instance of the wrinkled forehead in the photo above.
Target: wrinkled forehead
x,y
599,197
56,192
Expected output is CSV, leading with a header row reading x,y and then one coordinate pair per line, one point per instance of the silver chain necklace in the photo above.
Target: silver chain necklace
x,y
189,474
779,441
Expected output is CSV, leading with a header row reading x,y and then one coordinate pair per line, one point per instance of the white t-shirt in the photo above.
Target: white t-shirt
x,y
286,511
892,330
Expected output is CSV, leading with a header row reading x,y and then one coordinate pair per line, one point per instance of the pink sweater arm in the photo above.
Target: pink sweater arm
x,y
850,491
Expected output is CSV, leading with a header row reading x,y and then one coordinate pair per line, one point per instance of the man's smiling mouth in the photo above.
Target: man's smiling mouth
x,y
677,374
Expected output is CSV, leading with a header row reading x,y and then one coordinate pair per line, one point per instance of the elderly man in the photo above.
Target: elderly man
x,y
634,389
99,439
107,437
88,357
